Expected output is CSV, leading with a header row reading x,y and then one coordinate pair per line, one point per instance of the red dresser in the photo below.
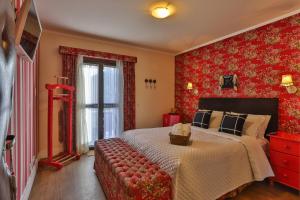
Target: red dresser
x,y
170,119
285,158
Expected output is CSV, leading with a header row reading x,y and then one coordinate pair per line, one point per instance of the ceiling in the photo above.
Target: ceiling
x,y
196,22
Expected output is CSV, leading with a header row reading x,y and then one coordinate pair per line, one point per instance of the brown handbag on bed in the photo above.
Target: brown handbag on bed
x,y
180,139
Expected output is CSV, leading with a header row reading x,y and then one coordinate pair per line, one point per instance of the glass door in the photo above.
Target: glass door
x,y
102,95
111,95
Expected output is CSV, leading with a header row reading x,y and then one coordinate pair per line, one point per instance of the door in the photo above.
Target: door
x,y
102,97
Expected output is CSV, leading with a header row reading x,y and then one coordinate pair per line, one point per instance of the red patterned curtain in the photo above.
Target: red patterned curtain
x,y
129,95
69,63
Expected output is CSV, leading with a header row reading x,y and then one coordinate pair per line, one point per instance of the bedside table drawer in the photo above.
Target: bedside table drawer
x,y
285,146
287,177
285,160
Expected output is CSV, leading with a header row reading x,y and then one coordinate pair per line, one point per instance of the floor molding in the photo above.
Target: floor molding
x,y
30,181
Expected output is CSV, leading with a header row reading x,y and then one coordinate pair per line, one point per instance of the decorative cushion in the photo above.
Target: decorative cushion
x,y
232,124
202,118
255,125
215,119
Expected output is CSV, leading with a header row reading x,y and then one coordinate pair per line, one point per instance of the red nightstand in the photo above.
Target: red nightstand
x,y
285,158
170,119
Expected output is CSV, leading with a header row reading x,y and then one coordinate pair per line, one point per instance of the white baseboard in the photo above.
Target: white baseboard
x,y
30,181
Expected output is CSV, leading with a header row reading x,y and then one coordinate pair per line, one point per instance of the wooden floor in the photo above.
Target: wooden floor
x,y
77,181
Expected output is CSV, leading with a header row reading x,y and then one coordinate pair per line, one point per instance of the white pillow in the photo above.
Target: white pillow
x,y
264,126
215,119
253,124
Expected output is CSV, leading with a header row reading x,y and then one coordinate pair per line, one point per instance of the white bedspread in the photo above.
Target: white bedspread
x,y
211,166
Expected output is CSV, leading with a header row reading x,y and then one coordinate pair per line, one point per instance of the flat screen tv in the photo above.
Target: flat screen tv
x,y
28,30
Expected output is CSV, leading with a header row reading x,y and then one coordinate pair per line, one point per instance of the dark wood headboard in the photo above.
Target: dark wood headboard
x,y
259,106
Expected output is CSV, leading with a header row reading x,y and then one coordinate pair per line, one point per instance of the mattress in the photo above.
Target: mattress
x,y
211,166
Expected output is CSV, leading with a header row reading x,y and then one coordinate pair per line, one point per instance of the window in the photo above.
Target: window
x,y
103,94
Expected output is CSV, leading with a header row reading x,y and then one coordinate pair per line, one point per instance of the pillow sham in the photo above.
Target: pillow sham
x,y
264,126
202,118
215,119
252,126
232,123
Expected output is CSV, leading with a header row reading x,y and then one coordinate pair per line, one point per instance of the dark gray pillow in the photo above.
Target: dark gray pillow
x,y
232,123
202,118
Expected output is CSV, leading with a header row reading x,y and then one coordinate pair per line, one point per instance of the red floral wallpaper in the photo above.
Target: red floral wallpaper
x,y
259,58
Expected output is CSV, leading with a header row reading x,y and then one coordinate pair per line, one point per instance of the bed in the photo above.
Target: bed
x,y
213,164
210,167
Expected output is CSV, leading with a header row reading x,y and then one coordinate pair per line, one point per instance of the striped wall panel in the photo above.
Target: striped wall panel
x,y
23,123
23,120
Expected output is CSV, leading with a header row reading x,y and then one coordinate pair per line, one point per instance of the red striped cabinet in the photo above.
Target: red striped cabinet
x,y
170,119
285,158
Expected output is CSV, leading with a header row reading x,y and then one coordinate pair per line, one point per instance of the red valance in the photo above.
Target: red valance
x,y
98,54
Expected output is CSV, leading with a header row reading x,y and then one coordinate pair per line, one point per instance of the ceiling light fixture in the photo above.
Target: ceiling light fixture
x,y
162,10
